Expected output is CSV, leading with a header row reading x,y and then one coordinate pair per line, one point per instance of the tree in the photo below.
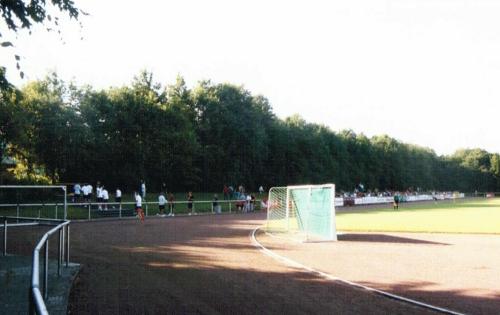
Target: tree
x,y
230,128
201,138
17,15
21,14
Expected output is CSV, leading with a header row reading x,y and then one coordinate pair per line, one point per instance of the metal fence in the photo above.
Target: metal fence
x,y
95,210
36,298
38,187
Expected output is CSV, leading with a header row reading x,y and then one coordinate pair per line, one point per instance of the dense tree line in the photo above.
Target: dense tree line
x,y
204,137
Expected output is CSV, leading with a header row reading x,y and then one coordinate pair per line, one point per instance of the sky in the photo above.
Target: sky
x,y
426,72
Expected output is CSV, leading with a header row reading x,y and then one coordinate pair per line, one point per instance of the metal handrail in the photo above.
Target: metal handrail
x,y
36,302
37,299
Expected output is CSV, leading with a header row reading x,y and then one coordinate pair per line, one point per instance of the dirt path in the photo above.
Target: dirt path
x,y
200,265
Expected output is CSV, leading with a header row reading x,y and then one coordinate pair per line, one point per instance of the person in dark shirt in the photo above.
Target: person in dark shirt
x,y
190,199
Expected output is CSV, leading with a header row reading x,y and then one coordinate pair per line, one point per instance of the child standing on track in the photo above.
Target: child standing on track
x,y
171,200
190,199
138,206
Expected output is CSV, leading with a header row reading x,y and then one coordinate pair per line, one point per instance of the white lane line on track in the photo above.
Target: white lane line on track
x,y
294,264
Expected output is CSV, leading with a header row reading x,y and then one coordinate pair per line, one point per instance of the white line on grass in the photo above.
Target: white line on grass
x,y
294,264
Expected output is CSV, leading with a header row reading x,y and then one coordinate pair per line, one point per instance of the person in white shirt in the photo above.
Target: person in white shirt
x,y
264,204
261,190
77,191
143,189
89,190
247,203
105,197
85,193
161,204
98,192
118,197
138,206
99,197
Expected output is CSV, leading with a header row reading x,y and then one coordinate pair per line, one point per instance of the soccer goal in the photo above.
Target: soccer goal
x,y
304,212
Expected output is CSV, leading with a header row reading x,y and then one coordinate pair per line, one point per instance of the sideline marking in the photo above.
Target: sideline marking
x,y
294,264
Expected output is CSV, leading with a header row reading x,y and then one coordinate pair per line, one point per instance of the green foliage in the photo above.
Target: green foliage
x,y
214,134
23,14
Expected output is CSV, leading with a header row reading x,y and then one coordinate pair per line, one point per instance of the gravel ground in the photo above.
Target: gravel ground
x,y
454,271
208,265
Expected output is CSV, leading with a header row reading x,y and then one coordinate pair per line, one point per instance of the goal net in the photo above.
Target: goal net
x,y
304,212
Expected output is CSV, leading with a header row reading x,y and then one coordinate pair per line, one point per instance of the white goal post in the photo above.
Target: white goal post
x,y
305,211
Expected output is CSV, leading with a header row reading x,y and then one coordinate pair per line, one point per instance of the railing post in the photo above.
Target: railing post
x,y
62,243
67,245
89,211
5,236
212,207
59,253
46,270
31,309
146,208
17,211
56,212
120,210
230,206
65,203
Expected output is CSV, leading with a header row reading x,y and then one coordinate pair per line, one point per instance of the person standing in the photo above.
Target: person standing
x,y
171,202
118,197
161,205
77,190
215,205
190,199
261,190
105,197
264,204
225,190
85,190
396,201
90,191
99,196
98,190
248,206
138,206
143,189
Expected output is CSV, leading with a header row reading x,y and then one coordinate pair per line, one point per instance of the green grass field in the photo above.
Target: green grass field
x,y
479,216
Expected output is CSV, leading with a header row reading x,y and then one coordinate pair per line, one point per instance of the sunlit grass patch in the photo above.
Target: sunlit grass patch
x,y
466,216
